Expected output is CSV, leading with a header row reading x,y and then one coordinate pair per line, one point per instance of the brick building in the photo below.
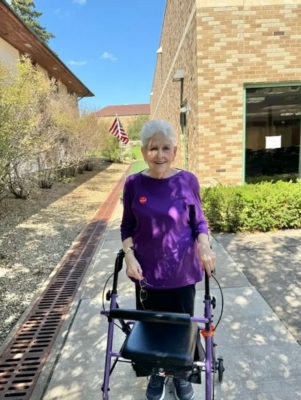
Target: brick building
x,y
228,76
126,113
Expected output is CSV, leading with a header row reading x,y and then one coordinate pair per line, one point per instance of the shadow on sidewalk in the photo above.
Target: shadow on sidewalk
x,y
271,262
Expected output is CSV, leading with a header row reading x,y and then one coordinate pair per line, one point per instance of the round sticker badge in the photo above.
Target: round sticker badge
x,y
142,200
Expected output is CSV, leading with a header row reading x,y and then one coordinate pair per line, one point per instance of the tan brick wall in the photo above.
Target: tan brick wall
x,y
237,46
220,42
178,41
224,48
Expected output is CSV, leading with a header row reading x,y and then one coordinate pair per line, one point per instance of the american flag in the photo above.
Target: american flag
x,y
118,131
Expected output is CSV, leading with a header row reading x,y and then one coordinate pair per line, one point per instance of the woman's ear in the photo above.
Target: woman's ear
x,y
143,152
175,151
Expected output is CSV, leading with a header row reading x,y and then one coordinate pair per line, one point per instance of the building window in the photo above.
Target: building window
x,y
273,131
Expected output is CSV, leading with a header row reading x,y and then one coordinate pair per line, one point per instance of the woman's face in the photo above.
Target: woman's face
x,y
159,154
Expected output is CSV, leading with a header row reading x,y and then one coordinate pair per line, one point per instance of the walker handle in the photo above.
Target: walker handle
x,y
117,269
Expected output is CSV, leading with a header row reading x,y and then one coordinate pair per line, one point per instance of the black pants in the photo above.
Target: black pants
x,y
180,300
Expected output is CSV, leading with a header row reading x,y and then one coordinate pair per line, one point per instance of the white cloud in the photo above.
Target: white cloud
x,y
72,62
58,12
108,56
81,2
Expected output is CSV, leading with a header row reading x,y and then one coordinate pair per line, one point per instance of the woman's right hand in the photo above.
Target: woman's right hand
x,y
133,269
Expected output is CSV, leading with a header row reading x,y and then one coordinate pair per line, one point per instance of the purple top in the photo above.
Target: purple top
x,y
164,217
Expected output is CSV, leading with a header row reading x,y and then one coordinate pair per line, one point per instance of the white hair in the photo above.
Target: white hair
x,y
150,128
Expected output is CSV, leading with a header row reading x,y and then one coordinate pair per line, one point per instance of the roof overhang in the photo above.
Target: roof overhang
x,y
17,34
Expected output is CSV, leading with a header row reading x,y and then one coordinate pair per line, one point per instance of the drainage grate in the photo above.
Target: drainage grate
x,y
24,357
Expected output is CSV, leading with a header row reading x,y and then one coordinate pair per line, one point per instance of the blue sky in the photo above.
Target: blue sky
x,y
110,45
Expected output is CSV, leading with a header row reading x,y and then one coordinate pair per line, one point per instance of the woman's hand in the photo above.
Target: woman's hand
x,y
207,256
133,269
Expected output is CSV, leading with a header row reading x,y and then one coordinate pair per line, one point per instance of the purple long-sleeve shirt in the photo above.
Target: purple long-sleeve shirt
x,y
164,217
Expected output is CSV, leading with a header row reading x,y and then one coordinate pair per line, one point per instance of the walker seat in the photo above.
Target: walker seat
x,y
159,341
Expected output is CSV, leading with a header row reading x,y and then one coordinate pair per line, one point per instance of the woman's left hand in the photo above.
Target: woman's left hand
x,y
207,257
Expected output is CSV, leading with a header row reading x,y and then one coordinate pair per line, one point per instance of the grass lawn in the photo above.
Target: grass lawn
x,y
137,166
136,153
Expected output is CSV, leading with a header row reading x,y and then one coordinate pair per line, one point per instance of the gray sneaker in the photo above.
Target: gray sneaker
x,y
183,389
155,388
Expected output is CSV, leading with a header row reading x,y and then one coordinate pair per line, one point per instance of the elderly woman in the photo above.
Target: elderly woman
x,y
165,236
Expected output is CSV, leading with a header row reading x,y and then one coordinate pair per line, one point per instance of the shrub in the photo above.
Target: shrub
x,y
42,129
112,150
274,178
261,207
135,152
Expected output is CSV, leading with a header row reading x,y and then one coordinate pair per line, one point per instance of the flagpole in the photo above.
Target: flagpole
x,y
121,143
118,131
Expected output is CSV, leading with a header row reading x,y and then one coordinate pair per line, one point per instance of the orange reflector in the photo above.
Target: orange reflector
x,y
206,334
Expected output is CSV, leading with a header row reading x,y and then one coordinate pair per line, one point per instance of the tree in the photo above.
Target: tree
x,y
134,128
26,11
43,136
25,96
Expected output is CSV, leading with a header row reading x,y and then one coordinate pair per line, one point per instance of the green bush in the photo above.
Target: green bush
x,y
275,178
261,207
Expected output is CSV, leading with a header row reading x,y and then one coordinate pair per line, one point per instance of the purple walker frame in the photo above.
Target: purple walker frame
x,y
209,365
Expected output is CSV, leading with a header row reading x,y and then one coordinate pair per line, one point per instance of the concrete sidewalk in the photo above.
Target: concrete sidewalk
x,y
262,359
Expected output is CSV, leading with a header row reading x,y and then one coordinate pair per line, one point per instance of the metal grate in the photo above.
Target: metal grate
x,y
27,352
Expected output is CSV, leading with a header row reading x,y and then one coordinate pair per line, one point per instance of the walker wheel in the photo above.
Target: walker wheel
x,y
220,368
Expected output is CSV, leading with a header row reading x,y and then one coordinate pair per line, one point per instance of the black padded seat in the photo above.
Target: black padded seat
x,y
161,343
